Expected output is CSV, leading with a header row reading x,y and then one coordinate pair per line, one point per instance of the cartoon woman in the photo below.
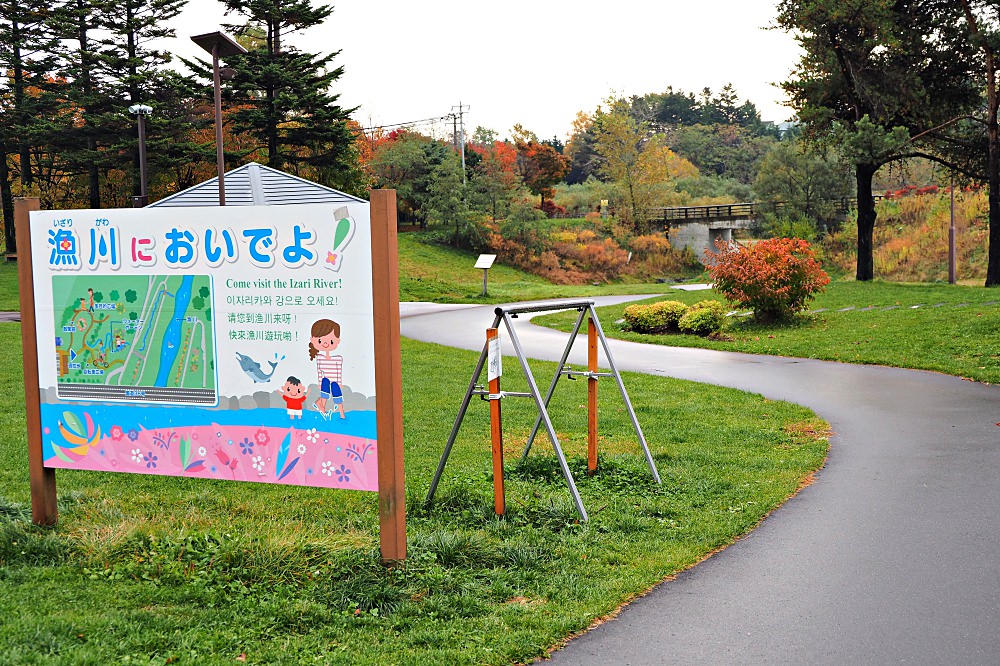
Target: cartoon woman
x,y
324,337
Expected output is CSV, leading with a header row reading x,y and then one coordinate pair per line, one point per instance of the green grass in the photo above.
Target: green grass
x,y
960,337
9,300
145,569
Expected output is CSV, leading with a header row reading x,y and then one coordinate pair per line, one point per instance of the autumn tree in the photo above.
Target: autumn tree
x,y
635,158
405,161
494,183
580,149
539,164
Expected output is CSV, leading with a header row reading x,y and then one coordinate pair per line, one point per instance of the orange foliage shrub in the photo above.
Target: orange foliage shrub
x,y
590,259
650,245
774,277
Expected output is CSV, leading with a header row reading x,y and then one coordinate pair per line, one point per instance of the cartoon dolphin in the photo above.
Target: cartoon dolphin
x,y
252,368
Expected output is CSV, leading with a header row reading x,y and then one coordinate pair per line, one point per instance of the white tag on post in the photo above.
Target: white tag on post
x,y
494,365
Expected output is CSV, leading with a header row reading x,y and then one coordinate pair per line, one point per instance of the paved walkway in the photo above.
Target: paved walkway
x,y
891,556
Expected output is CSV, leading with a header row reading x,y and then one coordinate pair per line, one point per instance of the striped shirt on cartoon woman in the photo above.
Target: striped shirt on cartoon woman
x,y
324,337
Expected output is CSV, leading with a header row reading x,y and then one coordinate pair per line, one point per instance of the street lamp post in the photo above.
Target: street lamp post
x,y
140,111
220,45
952,250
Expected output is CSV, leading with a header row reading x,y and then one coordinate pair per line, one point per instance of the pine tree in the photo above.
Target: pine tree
x,y
90,125
26,54
872,78
138,74
284,94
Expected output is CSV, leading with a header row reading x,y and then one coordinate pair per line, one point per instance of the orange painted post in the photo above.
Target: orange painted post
x,y
388,377
591,397
42,479
496,432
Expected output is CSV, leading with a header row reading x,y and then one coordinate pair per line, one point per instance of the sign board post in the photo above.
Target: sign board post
x,y
494,370
246,343
485,261
388,377
42,479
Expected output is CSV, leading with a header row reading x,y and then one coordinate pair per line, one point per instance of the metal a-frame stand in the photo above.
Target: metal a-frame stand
x,y
507,315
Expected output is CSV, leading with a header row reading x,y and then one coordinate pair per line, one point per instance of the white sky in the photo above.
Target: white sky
x,y
534,63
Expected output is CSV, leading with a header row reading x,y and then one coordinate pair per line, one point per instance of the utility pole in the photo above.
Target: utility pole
x,y
461,136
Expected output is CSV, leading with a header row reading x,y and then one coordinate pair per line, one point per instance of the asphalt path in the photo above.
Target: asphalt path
x,y
891,556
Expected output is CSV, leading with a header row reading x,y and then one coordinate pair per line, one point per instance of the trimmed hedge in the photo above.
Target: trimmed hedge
x,y
659,317
702,318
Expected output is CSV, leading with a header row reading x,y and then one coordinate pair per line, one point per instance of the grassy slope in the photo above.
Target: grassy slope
x,y
435,273
166,570
961,337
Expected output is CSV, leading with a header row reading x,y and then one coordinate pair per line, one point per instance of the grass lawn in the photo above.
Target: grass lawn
x,y
158,570
955,329
9,301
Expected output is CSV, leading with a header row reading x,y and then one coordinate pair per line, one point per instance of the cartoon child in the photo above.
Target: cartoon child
x,y
324,337
90,294
294,395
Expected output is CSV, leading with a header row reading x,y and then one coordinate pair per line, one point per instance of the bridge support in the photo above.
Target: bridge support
x,y
701,236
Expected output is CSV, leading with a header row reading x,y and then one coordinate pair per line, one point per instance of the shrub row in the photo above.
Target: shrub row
x,y
702,318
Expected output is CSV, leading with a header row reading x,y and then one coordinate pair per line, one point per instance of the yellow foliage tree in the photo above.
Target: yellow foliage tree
x,y
637,160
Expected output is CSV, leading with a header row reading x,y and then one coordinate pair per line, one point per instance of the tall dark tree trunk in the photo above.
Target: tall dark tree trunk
x,y
993,171
993,147
864,173
24,149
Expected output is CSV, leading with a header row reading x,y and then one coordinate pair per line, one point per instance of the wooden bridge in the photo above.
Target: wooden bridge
x,y
732,212
701,227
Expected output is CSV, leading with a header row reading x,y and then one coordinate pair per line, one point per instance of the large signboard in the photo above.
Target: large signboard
x,y
230,343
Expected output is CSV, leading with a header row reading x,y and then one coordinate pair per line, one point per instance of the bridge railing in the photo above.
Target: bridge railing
x,y
746,210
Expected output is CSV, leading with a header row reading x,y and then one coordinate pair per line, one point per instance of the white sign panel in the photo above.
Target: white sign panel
x,y
485,261
218,342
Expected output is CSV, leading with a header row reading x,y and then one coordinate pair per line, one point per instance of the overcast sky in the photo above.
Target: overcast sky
x,y
536,63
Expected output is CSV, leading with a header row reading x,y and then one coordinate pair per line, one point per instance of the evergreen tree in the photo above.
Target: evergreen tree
x,y
89,105
26,54
873,75
138,74
283,94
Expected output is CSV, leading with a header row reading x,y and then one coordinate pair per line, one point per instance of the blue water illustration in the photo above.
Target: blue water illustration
x,y
172,336
152,315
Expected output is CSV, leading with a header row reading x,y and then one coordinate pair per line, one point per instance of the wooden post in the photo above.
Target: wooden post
x,y
388,377
496,432
591,398
42,479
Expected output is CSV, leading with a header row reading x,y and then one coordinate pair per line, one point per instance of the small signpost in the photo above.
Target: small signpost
x,y
490,358
485,261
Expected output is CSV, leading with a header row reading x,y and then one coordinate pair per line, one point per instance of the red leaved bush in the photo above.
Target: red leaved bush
x,y
774,277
